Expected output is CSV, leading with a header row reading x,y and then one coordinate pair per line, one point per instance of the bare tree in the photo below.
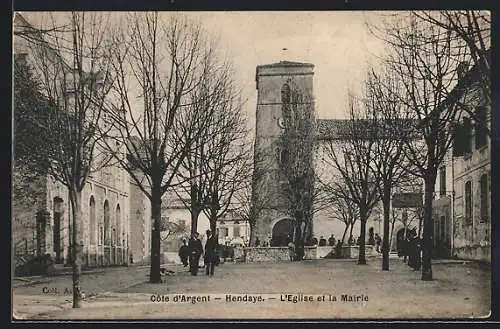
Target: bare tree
x,y
343,208
73,69
215,147
162,61
296,160
424,58
31,110
472,27
170,229
385,113
249,205
353,161
227,163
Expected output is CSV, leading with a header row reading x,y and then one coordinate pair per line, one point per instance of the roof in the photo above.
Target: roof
x,y
285,64
332,128
471,77
329,129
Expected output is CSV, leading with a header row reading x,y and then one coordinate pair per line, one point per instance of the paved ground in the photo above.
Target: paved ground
x,y
459,290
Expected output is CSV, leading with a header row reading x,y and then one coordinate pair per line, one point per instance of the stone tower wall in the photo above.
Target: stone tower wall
x,y
267,189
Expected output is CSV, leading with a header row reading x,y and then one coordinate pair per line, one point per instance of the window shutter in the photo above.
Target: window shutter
x,y
458,139
480,129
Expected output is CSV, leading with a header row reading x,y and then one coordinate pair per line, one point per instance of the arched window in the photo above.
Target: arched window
x,y
106,224
284,156
118,225
468,202
92,221
285,94
483,186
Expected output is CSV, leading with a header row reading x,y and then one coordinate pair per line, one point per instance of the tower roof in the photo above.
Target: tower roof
x,y
285,64
331,129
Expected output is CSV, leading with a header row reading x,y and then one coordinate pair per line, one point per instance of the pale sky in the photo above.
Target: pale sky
x,y
337,42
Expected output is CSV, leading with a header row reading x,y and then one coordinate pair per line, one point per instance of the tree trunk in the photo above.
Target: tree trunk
x,y
155,275
309,231
386,202
392,234
195,213
427,229
299,237
420,220
345,232
251,238
362,238
213,225
77,243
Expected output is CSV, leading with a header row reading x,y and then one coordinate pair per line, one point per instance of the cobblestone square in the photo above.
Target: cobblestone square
x,y
459,290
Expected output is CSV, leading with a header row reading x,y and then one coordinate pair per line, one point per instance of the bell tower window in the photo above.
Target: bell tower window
x,y
285,94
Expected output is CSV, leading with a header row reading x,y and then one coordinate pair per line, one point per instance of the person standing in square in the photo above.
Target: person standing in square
x,y
210,253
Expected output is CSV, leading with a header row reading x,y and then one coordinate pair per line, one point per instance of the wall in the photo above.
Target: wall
x,y
269,81
140,225
274,254
472,240
244,229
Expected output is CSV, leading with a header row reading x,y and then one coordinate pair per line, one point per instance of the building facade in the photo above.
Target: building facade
x,y
233,230
462,194
275,219
471,237
274,83
41,211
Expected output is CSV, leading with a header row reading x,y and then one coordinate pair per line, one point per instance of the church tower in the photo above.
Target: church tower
x,y
277,85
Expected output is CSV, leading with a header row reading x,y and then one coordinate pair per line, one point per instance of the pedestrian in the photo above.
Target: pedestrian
x,y
291,250
400,245
195,252
350,241
314,241
322,241
257,242
378,240
338,249
405,249
218,249
417,253
210,253
331,241
412,249
184,253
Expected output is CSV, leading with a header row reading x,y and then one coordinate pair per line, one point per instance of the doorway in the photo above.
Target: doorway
x,y
282,231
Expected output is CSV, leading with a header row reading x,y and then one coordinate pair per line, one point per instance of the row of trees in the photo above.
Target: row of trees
x,y
149,93
403,124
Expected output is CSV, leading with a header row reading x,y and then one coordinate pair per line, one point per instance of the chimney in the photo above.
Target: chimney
x,y
462,69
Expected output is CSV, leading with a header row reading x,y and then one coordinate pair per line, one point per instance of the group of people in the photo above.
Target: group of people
x,y
410,250
266,243
191,252
323,242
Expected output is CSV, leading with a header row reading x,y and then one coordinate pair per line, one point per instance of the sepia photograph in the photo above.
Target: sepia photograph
x,y
251,165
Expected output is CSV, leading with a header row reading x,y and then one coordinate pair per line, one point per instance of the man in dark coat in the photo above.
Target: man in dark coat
x,y
195,251
184,253
210,253
331,241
